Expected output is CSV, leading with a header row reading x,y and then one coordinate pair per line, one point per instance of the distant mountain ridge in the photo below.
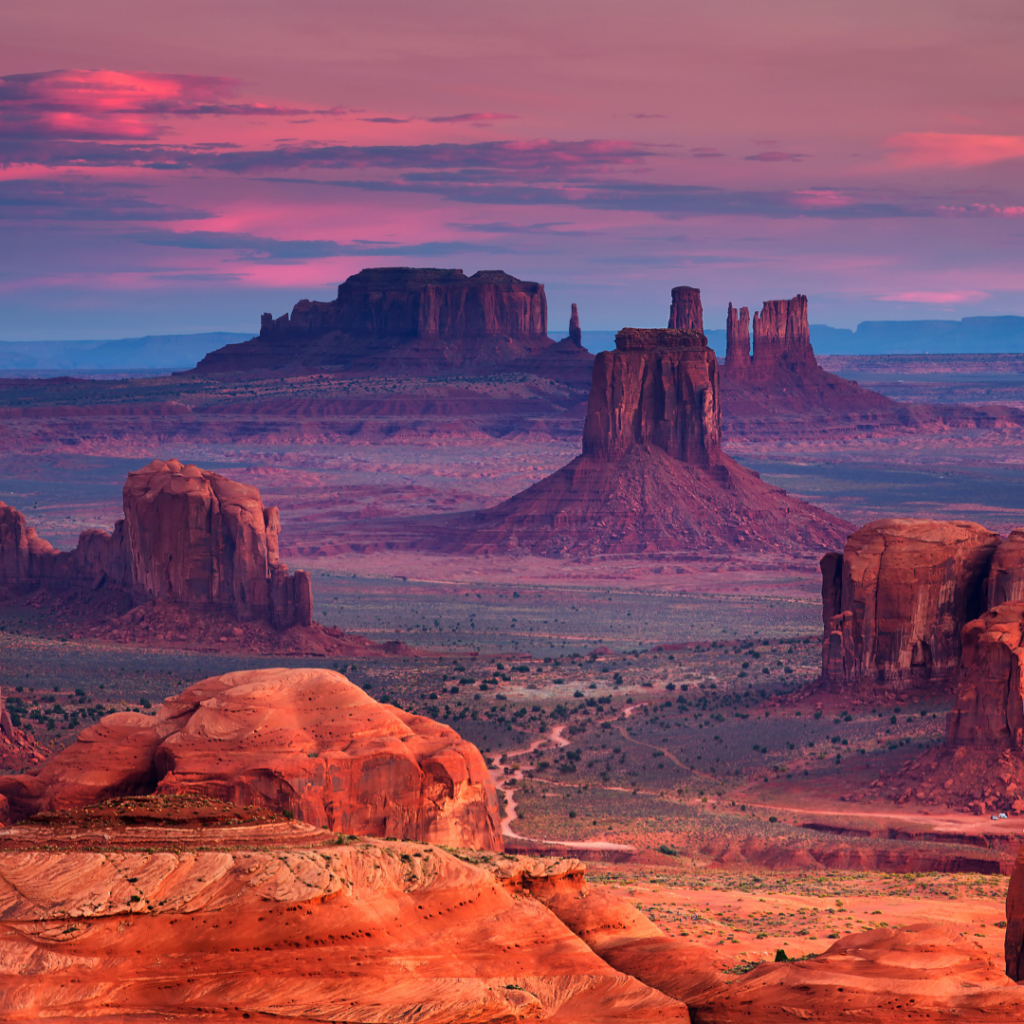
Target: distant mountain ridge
x,y
163,351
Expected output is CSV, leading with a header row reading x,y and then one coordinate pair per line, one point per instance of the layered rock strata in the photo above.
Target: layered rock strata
x,y
652,477
895,601
304,741
189,536
428,320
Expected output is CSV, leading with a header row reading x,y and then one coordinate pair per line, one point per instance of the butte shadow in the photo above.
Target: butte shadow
x,y
652,477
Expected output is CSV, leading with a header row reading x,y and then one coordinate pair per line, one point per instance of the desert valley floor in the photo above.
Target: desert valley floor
x,y
649,715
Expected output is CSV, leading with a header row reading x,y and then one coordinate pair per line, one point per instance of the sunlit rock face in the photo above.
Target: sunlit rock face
x,y
306,741
895,601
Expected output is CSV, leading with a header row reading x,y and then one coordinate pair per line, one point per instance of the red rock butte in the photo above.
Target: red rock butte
x,y
418,320
189,536
780,386
304,741
895,602
652,476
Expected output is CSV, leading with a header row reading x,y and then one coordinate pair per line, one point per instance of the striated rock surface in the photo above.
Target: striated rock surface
x,y
1006,574
189,536
249,919
989,709
658,388
686,312
1014,941
428,320
305,741
652,476
894,603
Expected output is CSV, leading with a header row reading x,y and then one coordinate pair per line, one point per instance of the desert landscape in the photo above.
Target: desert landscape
x,y
511,515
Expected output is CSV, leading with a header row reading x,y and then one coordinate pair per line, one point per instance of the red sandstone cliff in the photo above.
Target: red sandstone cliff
x,y
418,320
305,741
894,603
189,536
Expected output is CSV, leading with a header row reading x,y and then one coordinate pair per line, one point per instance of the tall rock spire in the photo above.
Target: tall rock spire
x,y
737,341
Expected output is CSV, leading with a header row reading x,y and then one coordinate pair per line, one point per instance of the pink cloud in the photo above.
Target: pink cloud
x,y
935,298
982,210
945,149
774,156
101,104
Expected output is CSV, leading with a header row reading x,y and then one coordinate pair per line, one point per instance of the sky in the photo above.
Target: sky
x,y
186,166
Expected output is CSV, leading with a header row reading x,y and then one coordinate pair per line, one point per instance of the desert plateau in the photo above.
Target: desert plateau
x,y
511,515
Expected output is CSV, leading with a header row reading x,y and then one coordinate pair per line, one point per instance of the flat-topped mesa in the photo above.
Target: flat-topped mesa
x,y
895,601
737,342
660,388
686,312
188,536
429,318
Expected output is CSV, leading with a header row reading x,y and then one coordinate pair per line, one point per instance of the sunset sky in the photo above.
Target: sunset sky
x,y
185,166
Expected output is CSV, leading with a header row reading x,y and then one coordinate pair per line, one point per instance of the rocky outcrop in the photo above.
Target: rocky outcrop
x,y
575,336
895,601
658,388
425,320
1006,574
989,709
305,741
250,919
189,536
737,342
652,477
686,312
780,389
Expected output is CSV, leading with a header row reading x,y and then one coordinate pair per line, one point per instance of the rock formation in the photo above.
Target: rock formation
x,y
1006,575
989,709
575,334
737,343
305,741
423,320
781,388
894,603
686,312
652,476
189,536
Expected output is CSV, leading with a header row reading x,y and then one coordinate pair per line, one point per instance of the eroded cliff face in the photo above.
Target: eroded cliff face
x,y
429,319
737,342
188,536
306,741
989,709
895,601
659,387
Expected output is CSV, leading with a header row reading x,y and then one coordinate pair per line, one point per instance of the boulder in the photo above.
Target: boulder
x,y
895,601
304,741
